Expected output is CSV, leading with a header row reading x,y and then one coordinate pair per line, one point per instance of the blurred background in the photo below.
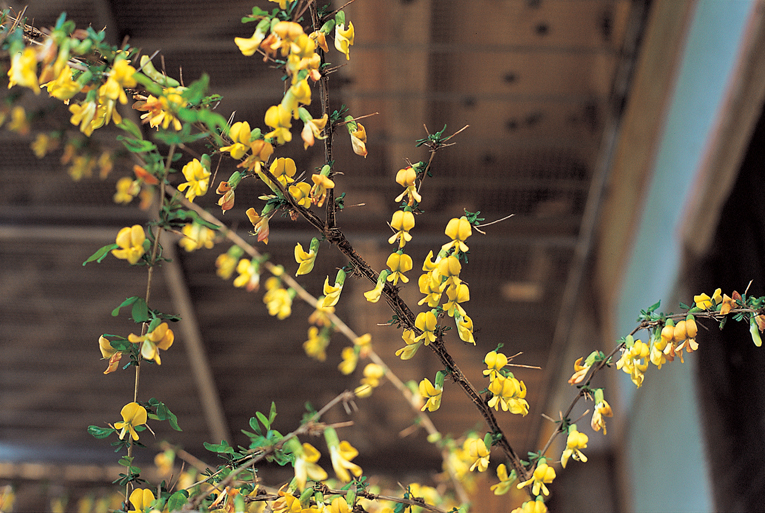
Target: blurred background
x,y
626,138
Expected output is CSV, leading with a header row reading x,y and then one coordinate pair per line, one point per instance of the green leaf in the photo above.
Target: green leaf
x,y
99,432
131,128
128,301
197,89
126,461
136,145
101,253
140,312
177,500
222,448
654,306
263,420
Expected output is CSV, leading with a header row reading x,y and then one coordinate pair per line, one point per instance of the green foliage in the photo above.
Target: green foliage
x,y
157,410
100,432
102,252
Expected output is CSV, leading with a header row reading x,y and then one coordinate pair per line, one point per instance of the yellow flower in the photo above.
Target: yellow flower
x,y
705,302
478,454
248,46
302,194
634,361
278,118
411,347
24,70
542,475
339,505
260,223
431,394
373,296
121,76
505,480
130,240
350,359
426,322
458,230
82,115
332,292
197,180
575,442
602,409
509,393
159,111
580,371
457,292
141,500
19,122
321,315
373,374
430,285
161,338
536,506
306,260
240,135
108,352
278,300
133,415
406,178
43,144
399,263
317,343
197,236
226,262
728,303
63,87
359,140
283,170
261,152
402,222
342,453
465,327
344,39
321,184
249,274
312,129
297,94
306,467
495,362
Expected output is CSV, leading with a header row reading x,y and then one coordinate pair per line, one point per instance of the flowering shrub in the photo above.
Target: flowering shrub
x,y
96,79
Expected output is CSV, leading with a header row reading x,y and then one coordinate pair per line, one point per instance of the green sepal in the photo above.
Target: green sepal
x,y
99,255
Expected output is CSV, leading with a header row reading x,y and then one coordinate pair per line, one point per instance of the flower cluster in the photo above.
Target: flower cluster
x,y
507,391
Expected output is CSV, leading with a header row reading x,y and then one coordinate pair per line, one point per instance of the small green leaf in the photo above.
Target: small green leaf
x,y
101,253
263,420
177,500
128,301
140,312
221,448
99,432
131,128
135,145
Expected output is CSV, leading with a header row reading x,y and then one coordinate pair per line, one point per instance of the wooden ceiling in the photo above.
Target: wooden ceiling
x,y
540,84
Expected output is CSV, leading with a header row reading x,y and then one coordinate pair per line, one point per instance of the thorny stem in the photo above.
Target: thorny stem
x,y
324,87
337,322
